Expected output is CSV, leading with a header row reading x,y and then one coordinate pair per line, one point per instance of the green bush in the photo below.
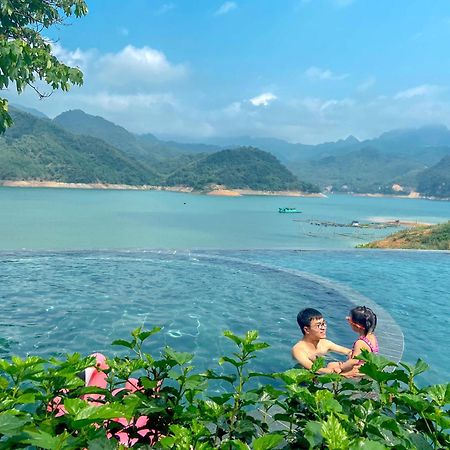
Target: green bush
x,y
291,410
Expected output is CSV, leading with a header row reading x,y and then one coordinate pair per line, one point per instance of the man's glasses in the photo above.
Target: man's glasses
x,y
321,324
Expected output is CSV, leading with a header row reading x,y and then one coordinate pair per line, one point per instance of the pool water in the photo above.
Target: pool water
x,y
58,302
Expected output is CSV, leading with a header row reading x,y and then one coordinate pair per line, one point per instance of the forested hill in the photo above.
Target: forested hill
x,y
144,148
37,149
435,181
242,168
363,171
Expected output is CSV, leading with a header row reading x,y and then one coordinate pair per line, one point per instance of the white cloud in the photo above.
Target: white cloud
x,y
164,8
226,8
418,91
138,65
233,109
366,84
137,99
263,99
323,74
77,58
117,102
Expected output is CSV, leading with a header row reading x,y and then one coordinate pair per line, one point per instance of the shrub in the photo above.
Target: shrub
x,y
180,409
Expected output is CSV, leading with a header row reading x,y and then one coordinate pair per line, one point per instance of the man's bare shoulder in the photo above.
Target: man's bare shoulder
x,y
301,344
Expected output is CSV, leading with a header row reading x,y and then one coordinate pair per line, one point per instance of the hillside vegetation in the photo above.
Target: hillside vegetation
x,y
39,149
435,181
77,146
434,237
362,171
243,168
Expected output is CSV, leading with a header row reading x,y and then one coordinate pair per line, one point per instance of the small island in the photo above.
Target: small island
x,y
431,237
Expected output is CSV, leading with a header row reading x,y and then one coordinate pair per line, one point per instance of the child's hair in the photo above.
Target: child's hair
x,y
305,316
365,317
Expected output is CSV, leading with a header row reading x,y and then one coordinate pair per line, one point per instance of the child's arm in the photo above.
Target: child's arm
x,y
348,365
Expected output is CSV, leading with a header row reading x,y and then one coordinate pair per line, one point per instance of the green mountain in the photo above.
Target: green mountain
x,y
146,151
243,168
32,111
37,149
435,181
416,159
363,171
145,148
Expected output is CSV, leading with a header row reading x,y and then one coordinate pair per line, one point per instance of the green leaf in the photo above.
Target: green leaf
x,y
267,442
414,401
145,334
123,343
180,358
234,444
10,424
420,367
245,426
232,361
26,398
419,442
211,375
313,433
236,339
326,402
295,376
45,440
334,434
318,364
440,393
221,399
102,443
366,444
195,382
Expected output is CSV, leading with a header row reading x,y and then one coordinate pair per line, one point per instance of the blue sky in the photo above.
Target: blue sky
x,y
301,70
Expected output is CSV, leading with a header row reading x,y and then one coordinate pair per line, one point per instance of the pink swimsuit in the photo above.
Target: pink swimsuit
x,y
373,348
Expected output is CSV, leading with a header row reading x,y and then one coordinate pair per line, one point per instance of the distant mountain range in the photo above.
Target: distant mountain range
x,y
398,161
37,149
40,149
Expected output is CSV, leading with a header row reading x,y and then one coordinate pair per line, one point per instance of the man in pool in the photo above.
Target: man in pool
x,y
314,342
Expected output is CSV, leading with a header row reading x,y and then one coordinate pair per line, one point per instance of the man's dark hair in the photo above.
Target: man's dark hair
x,y
305,316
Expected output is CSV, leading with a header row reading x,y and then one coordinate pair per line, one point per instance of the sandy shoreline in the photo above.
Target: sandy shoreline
x,y
184,189
410,195
215,190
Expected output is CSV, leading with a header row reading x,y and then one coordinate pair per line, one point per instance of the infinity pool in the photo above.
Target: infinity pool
x,y
58,302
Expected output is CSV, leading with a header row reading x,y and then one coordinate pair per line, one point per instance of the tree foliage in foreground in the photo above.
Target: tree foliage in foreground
x,y
223,409
25,55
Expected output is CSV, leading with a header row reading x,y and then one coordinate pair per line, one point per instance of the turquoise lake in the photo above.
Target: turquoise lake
x,y
80,268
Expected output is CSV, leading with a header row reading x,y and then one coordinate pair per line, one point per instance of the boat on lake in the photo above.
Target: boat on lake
x,y
288,210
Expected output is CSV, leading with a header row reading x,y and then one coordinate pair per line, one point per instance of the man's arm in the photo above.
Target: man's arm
x,y
302,358
332,347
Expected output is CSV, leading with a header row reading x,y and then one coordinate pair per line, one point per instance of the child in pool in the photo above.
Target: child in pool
x,y
363,321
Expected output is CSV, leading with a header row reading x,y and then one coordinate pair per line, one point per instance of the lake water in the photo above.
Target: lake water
x,y
243,274
85,219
